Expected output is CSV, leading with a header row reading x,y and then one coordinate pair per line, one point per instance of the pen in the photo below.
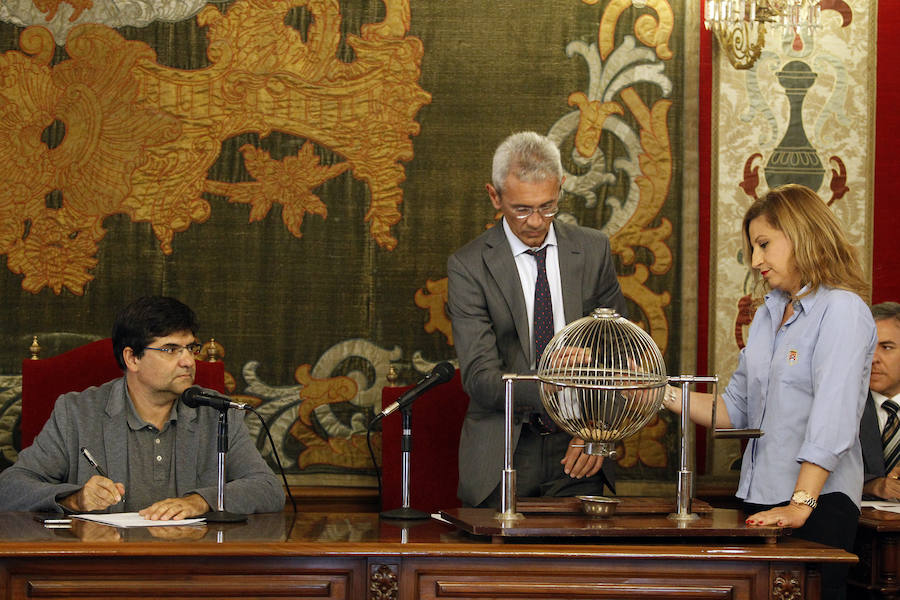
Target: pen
x,y
90,459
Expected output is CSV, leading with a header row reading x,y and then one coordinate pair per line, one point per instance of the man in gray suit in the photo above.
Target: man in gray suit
x,y
881,479
151,453
491,302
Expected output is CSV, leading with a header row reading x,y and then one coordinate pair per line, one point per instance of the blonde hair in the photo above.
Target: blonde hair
x,y
821,251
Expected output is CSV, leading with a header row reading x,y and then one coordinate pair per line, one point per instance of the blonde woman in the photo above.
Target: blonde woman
x,y
802,377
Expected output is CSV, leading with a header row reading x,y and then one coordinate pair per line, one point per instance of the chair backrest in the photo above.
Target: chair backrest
x,y
437,418
44,380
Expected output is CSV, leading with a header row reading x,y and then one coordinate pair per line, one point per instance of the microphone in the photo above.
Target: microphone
x,y
196,396
441,373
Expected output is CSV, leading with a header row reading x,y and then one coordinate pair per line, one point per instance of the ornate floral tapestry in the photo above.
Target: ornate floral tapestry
x,y
298,171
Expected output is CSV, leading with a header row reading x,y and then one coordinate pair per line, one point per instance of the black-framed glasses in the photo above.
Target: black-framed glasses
x,y
175,349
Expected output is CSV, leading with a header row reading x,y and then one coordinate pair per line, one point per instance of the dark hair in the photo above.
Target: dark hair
x,y
147,318
886,310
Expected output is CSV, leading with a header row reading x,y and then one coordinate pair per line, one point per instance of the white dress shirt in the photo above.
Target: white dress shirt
x,y
879,411
527,267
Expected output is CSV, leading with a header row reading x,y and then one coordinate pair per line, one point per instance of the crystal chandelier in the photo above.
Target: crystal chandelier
x,y
737,23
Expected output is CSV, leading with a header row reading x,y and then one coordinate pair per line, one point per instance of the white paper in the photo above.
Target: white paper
x,y
884,505
133,519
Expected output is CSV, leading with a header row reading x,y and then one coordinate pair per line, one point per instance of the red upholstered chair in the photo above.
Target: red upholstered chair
x,y
437,418
44,380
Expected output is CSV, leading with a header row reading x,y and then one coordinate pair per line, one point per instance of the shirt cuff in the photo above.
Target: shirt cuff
x,y
817,455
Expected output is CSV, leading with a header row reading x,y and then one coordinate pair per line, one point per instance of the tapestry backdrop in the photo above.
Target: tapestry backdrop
x,y
804,113
298,171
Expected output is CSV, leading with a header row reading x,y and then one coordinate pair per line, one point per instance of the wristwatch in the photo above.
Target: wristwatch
x,y
801,497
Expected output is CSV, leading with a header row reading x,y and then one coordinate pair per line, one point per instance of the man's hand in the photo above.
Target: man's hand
x,y
887,487
179,532
577,463
175,509
792,515
97,493
88,531
569,357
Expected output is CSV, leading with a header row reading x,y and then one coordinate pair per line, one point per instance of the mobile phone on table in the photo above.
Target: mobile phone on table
x,y
53,519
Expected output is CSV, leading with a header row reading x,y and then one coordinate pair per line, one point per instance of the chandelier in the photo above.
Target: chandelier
x,y
737,23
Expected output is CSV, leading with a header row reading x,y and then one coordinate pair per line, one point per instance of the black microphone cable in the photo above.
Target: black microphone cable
x,y
275,452
372,455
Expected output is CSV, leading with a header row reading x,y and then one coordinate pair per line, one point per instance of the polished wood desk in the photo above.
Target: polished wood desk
x,y
877,542
357,556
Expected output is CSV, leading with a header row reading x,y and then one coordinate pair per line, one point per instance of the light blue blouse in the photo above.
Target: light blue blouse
x,y
804,385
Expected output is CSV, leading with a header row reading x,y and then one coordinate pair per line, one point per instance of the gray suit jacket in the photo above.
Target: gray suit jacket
x,y
870,440
53,467
490,332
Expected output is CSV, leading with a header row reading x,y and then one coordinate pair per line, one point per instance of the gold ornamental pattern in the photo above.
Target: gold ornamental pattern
x,y
140,137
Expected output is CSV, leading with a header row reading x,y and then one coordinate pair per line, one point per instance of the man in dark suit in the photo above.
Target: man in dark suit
x,y
492,303
882,461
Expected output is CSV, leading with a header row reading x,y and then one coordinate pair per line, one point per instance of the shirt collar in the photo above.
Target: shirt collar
x,y
134,420
879,398
777,299
519,247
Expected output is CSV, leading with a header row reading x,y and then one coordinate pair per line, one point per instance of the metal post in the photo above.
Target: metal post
x,y
508,480
219,514
684,492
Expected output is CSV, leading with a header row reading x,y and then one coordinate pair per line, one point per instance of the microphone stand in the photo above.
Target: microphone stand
x,y
220,515
405,512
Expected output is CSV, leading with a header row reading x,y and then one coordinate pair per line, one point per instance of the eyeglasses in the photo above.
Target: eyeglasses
x,y
523,212
175,349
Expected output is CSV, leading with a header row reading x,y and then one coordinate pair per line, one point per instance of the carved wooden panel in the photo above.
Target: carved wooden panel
x,y
787,585
147,586
184,578
597,580
383,581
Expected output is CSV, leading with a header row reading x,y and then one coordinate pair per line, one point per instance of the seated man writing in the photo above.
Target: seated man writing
x,y
157,456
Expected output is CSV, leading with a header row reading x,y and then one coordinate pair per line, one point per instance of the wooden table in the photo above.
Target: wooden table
x,y
358,556
876,574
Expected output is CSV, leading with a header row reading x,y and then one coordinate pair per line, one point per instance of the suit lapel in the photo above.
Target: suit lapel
x,y
115,434
571,267
502,266
186,449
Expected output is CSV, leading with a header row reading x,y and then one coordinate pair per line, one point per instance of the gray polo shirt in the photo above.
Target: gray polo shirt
x,y
151,459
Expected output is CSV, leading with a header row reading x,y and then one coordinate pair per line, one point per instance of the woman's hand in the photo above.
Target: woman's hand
x,y
792,515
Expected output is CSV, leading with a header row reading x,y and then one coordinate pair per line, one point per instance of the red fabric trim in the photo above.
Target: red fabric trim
x,y
705,185
886,216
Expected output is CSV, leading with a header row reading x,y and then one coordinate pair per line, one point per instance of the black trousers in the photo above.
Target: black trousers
x,y
833,523
539,472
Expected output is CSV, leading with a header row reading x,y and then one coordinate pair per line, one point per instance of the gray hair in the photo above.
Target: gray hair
x,y
886,310
530,156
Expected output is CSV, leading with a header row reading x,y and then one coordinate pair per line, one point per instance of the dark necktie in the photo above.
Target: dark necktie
x,y
543,305
889,438
543,331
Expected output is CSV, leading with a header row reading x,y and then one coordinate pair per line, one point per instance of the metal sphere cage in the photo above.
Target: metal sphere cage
x,y
602,379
